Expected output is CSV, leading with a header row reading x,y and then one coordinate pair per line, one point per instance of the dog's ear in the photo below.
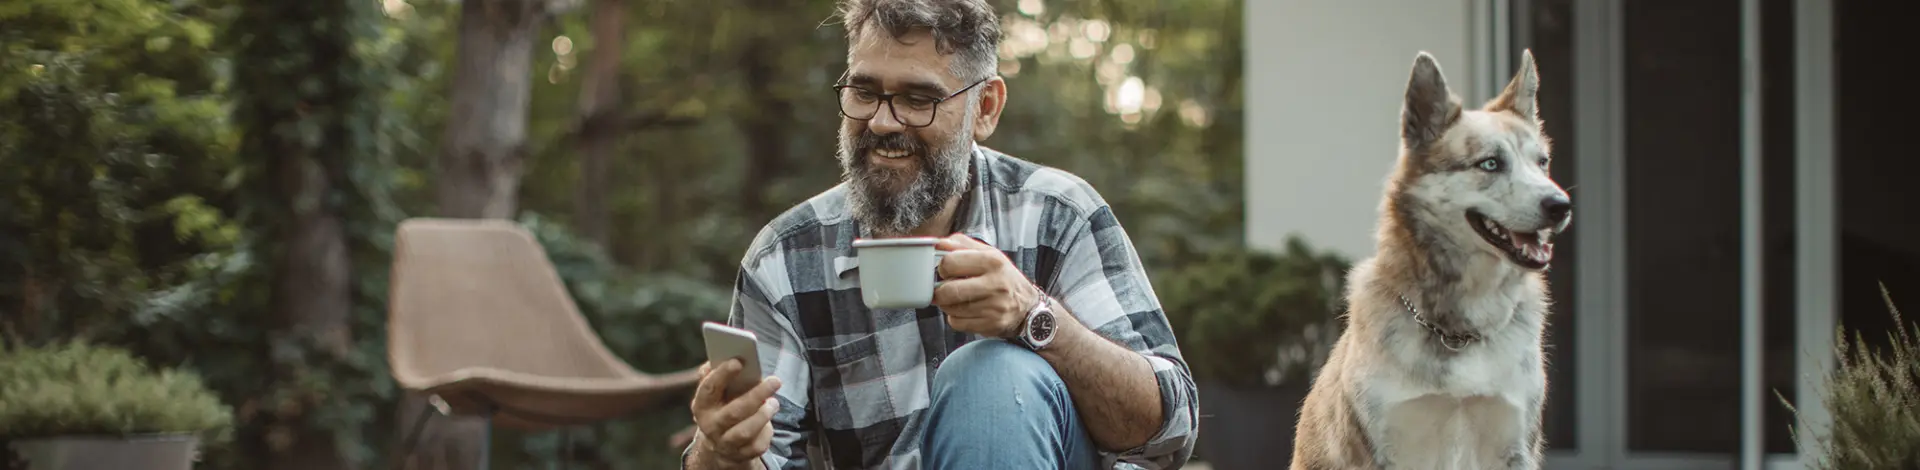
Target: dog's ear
x,y
1519,97
1430,106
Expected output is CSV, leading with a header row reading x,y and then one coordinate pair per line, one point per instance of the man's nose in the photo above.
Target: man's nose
x,y
885,121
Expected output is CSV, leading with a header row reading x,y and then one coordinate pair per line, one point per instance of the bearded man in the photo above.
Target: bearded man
x,y
969,382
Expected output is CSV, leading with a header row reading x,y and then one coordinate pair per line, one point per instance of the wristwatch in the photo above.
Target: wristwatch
x,y
1036,332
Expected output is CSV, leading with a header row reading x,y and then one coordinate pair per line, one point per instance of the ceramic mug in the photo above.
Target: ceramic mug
x,y
897,272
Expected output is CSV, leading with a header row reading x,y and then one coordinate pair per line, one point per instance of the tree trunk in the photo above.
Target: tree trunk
x,y
601,119
481,162
313,288
769,126
484,147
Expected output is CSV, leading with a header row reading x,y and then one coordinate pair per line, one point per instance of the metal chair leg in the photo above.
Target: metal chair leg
x,y
566,448
412,439
486,440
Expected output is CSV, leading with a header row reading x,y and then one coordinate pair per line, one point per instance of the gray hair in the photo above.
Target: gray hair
x,y
969,29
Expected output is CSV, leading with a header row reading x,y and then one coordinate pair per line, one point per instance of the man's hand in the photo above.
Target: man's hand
x,y
733,431
984,292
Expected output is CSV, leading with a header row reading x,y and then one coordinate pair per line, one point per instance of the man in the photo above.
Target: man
x,y
968,383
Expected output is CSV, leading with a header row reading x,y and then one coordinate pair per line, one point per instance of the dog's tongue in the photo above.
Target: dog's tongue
x,y
1533,244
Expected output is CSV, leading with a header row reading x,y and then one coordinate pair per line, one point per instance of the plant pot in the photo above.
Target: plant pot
x,y
146,452
1244,428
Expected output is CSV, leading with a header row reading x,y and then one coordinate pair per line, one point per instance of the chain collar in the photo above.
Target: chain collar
x,y
1452,341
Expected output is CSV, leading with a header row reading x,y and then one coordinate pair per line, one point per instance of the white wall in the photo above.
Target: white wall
x,y
1324,85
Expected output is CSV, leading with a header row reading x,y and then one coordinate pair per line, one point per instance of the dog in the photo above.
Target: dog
x,y
1441,365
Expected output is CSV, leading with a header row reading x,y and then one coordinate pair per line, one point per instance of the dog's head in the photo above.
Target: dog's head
x,y
1479,173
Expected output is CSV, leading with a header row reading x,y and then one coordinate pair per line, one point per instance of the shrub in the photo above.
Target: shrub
x,y
1246,317
81,389
1873,401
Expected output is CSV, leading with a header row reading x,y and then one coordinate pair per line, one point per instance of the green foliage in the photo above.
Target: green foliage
x,y
111,113
73,389
1251,318
316,90
1874,401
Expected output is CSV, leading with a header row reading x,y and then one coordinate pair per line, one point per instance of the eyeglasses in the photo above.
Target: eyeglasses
x,y
911,109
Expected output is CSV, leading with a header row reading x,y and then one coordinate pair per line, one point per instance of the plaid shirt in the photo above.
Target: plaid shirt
x,y
855,381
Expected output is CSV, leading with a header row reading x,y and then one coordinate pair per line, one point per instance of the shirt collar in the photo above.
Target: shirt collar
x,y
975,217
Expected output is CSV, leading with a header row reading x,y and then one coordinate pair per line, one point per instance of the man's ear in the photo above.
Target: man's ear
x,y
986,116
1430,106
1521,94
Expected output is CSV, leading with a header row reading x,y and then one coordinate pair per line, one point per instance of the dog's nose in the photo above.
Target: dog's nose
x,y
1557,208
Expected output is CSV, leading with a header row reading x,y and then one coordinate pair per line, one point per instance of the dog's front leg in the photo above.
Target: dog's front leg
x,y
1525,454
1370,412
1527,450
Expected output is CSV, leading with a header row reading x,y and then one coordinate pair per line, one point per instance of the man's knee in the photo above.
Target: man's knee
x,y
997,364
991,394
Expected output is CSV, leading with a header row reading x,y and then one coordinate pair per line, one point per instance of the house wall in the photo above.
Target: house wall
x,y
1324,85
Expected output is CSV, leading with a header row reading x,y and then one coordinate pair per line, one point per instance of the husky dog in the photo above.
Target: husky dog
x,y
1440,365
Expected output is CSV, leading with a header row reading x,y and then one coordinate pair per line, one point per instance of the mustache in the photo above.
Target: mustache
x,y
867,141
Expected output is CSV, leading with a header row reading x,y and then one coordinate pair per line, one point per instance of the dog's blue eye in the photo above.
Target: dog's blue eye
x,y
1543,162
1490,164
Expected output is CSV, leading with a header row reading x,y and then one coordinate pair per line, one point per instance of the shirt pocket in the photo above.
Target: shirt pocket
x,y
845,363
849,391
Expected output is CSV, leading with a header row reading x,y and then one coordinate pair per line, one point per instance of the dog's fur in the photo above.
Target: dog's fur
x,y
1391,395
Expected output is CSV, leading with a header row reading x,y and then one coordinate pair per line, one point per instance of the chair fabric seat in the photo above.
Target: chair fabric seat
x,y
479,317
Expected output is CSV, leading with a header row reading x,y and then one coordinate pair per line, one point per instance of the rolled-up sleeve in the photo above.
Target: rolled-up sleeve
x,y
1104,284
755,309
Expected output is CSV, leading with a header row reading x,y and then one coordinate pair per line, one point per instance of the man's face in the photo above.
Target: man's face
x,y
901,175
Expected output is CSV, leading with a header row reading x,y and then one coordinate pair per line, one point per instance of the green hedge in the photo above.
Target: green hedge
x,y
1246,317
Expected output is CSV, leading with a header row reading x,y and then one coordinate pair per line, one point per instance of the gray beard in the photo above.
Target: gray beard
x,y
876,197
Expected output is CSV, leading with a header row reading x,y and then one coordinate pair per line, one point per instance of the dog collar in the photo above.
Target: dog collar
x,y
1452,341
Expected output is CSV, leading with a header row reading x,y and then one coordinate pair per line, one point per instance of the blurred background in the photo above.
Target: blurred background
x,y
213,187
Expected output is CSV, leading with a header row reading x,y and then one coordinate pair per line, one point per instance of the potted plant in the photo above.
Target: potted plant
x,y
1874,402
1254,326
79,406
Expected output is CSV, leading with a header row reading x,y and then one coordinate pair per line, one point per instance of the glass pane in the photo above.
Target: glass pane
x,y
1683,224
1878,213
1547,28
1777,151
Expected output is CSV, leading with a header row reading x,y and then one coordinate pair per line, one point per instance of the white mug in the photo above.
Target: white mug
x,y
897,272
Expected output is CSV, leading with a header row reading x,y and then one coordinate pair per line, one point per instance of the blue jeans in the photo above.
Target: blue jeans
x,y
998,405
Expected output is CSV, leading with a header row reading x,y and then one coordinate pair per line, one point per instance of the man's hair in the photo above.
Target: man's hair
x,y
968,29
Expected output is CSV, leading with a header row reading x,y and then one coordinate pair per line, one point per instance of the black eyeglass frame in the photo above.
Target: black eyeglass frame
x,y
933,112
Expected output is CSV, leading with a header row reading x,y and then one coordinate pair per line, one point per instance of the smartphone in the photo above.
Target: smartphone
x,y
726,342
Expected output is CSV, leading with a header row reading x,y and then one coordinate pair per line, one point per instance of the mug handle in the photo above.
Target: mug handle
x,y
938,255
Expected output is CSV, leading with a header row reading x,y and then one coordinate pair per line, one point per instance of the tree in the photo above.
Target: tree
x,y
601,118
483,151
310,85
485,144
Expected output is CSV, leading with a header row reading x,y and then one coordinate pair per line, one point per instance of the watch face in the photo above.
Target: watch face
x,y
1042,327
